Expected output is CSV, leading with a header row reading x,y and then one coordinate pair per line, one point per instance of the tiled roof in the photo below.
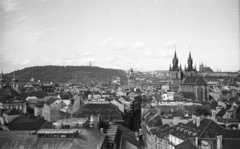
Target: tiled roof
x,y
12,112
86,139
129,136
163,130
196,80
51,101
187,144
223,111
98,108
213,104
64,96
132,94
155,121
26,123
188,95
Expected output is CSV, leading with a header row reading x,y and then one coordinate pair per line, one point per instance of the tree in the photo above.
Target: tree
x,y
203,110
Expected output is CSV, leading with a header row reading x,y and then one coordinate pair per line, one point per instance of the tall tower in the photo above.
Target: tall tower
x,y
175,73
2,80
175,70
131,79
14,82
190,70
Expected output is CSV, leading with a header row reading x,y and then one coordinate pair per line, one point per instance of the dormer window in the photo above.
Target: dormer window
x,y
206,135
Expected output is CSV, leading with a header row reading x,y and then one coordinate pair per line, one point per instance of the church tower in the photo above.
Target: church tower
x,y
131,79
2,80
175,73
190,70
14,82
175,70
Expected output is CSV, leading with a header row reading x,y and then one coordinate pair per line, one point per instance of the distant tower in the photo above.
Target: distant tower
x,y
175,70
175,73
190,70
131,79
32,79
90,63
14,82
2,80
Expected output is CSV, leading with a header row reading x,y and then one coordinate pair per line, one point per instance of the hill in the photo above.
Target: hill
x,y
61,74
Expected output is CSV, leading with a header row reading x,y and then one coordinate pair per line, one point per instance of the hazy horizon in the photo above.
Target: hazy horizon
x,y
120,34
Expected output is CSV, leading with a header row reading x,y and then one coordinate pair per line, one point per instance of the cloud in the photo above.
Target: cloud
x,y
22,18
25,62
170,45
105,41
8,5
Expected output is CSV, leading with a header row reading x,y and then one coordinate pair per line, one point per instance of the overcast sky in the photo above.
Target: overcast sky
x,y
123,34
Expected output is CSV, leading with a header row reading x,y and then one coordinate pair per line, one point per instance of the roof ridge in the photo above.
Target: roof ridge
x,y
205,127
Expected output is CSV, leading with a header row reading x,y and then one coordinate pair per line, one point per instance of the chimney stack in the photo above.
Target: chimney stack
x,y
219,142
198,121
91,123
196,141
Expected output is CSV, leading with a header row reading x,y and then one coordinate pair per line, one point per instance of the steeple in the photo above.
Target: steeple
x,y
14,77
190,62
2,77
175,62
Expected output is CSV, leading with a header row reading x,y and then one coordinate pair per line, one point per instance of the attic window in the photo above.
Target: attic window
x,y
206,135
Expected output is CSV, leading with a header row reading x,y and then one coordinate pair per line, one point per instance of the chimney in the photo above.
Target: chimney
x,y
91,123
194,119
219,142
136,135
196,141
198,121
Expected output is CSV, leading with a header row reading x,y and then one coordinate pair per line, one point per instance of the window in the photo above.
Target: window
x,y
206,135
63,136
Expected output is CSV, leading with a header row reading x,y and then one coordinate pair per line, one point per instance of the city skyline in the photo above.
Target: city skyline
x,y
119,34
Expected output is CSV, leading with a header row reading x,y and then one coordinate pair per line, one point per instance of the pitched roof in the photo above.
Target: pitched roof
x,y
213,104
51,101
223,111
98,108
187,144
12,112
129,136
86,139
26,123
196,80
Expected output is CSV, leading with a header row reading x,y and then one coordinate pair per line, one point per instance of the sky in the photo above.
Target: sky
x,y
120,34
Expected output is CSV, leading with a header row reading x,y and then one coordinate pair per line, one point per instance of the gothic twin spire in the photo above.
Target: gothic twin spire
x,y
175,64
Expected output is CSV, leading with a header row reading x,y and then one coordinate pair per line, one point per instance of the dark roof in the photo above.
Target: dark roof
x,y
86,139
162,130
187,144
38,94
129,136
196,80
51,101
223,111
210,127
155,121
98,108
12,112
65,96
26,123
213,104
188,95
